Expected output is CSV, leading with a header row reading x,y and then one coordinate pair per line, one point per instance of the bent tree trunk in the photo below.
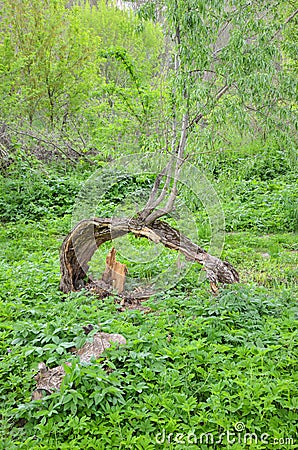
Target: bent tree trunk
x,y
82,242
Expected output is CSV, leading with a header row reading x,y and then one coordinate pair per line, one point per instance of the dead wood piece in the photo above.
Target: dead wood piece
x,y
100,342
133,304
100,288
127,300
87,329
49,380
115,272
139,294
79,247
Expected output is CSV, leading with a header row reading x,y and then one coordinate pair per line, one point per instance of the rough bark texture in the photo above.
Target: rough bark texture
x,y
81,243
49,380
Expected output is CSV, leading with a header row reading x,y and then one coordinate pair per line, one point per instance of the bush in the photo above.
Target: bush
x,y
31,191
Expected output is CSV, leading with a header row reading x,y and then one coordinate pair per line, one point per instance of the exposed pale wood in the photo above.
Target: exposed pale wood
x,y
115,272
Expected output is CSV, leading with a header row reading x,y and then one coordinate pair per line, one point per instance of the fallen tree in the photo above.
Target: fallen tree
x,y
82,242
219,64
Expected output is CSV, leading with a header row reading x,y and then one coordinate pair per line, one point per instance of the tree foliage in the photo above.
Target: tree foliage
x,y
234,64
228,71
81,70
107,78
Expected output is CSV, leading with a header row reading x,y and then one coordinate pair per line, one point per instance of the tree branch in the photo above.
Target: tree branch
x,y
149,214
39,139
152,201
291,17
219,94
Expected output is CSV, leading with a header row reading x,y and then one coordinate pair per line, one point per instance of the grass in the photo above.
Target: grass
x,y
194,364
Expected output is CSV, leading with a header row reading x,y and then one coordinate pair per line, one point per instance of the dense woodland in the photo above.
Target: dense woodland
x,y
105,105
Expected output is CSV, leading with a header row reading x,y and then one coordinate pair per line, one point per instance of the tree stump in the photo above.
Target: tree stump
x,y
115,272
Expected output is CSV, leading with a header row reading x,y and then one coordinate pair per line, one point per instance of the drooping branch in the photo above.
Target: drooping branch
x,y
82,242
288,20
200,115
48,142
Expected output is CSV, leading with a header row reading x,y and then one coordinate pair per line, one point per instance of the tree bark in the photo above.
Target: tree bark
x,y
82,242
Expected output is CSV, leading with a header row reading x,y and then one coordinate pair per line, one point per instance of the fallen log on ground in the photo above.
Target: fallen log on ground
x,y
82,242
49,380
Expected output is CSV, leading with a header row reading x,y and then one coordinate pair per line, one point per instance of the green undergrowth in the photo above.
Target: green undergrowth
x,y
194,364
256,185
30,190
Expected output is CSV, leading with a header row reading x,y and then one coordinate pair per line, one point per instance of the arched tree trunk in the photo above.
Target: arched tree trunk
x,y
82,242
